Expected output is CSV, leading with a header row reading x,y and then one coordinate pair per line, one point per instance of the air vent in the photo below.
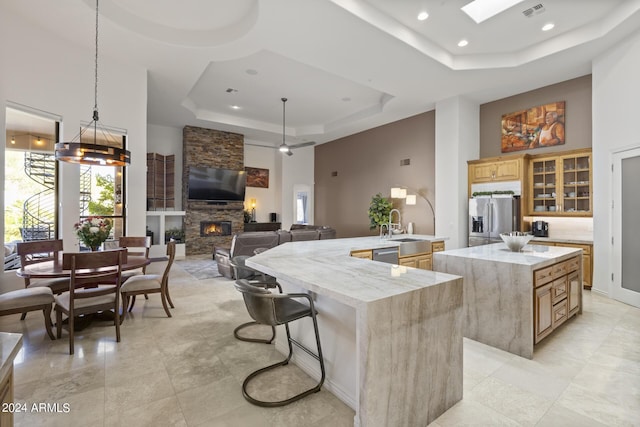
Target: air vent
x,y
535,10
231,90
334,173
405,162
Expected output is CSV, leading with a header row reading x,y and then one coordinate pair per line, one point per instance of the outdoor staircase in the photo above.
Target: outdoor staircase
x,y
38,220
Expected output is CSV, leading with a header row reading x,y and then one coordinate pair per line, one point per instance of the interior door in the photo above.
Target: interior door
x,y
626,227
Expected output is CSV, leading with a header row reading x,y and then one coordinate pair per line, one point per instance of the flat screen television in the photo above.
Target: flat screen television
x,y
216,185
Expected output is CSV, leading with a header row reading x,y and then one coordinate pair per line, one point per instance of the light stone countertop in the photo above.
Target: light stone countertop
x,y
324,266
577,239
388,331
535,256
10,345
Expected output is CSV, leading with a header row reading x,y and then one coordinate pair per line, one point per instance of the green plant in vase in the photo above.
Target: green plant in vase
x,y
175,234
379,210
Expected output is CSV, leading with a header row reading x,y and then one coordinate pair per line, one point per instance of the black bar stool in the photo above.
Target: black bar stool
x,y
255,278
280,309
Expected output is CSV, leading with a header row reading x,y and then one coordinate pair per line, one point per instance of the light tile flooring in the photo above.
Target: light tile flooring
x,y
187,371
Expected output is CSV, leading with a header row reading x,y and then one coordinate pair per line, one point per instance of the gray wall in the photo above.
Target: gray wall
x,y
577,95
368,163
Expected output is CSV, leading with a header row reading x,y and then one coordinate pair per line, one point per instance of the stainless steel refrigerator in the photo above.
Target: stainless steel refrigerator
x,y
488,217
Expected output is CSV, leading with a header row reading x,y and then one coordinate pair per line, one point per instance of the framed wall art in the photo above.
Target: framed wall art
x,y
541,126
257,177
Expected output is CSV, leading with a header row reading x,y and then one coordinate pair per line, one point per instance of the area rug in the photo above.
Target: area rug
x,y
200,266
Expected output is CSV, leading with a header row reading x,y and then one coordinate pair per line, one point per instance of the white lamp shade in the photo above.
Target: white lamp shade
x,y
398,193
411,199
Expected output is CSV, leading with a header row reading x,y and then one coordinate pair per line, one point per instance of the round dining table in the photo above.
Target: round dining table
x,y
53,269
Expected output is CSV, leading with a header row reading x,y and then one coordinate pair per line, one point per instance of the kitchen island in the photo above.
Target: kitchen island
x,y
391,335
10,345
512,300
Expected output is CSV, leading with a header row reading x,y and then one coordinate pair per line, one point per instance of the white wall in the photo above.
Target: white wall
x,y
267,199
457,140
615,115
45,72
296,170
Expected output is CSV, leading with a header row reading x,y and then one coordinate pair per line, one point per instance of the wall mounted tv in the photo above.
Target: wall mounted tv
x,y
216,185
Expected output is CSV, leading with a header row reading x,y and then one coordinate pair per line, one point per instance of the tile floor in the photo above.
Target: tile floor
x,y
187,371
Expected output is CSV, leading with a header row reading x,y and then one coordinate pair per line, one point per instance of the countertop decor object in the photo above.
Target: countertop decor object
x,y
516,240
93,231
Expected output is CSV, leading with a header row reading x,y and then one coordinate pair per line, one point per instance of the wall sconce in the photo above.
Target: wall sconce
x,y
252,203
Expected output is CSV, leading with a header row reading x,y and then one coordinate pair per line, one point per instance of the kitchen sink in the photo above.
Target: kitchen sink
x,y
409,246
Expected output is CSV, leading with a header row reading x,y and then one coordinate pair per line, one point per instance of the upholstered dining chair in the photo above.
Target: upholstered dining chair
x,y
94,287
30,299
274,309
255,278
137,246
149,284
38,251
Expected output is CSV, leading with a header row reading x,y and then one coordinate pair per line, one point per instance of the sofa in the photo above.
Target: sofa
x,y
246,243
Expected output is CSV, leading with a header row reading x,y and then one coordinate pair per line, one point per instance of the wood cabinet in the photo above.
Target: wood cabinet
x,y
561,185
6,398
557,296
422,261
587,259
495,170
437,246
365,254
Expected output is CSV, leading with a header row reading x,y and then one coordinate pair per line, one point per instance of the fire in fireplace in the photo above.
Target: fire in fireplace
x,y
215,228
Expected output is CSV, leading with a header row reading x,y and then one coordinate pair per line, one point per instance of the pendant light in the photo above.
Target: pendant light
x,y
93,154
284,148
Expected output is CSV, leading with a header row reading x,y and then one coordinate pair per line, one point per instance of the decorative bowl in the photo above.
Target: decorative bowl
x,y
516,240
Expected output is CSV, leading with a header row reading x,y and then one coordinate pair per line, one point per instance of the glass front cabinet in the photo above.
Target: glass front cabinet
x,y
561,185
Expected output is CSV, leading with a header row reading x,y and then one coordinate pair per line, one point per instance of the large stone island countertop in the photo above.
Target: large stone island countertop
x,y
499,290
391,336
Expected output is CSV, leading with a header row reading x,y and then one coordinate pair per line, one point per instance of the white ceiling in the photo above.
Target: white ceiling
x,y
344,65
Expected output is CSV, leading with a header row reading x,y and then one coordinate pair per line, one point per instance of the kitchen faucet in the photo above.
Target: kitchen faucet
x,y
391,224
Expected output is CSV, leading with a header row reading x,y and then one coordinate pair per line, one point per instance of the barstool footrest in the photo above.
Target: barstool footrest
x,y
262,340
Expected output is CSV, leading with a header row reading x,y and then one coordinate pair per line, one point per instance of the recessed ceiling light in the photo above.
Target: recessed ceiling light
x,y
422,16
463,43
548,27
481,10
235,107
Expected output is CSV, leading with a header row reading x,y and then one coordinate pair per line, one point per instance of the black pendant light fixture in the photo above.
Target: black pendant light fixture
x,y
93,153
284,148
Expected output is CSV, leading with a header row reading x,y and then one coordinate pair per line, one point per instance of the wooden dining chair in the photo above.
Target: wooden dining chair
x,y
136,246
150,284
38,251
94,287
30,299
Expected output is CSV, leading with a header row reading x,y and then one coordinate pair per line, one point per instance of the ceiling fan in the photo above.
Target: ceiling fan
x,y
285,148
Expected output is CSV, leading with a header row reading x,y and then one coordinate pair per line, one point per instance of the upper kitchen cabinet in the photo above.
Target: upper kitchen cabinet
x,y
495,169
561,185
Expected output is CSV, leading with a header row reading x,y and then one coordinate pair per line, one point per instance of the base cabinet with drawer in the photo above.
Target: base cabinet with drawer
x,y
422,261
587,259
557,296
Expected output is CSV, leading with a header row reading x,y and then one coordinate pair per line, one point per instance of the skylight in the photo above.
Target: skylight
x,y
481,10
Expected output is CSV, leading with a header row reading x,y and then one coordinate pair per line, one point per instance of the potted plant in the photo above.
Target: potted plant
x,y
379,210
93,231
175,234
247,217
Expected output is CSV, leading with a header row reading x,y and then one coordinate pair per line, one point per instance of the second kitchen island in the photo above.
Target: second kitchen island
x,y
512,300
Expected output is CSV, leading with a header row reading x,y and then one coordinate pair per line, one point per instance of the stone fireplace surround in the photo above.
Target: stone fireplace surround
x,y
215,149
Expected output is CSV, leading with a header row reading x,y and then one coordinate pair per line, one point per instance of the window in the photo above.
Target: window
x,y
30,176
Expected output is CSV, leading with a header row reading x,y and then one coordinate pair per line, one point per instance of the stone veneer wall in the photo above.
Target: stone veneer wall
x,y
216,149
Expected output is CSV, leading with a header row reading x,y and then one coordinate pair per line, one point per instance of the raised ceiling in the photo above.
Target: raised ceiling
x,y
344,65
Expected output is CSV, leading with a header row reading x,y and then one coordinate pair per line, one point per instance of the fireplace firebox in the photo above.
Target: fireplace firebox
x,y
215,228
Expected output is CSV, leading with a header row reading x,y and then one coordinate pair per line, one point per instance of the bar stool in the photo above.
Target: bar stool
x,y
255,278
280,309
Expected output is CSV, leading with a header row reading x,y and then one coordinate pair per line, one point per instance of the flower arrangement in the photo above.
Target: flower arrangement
x,y
93,231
